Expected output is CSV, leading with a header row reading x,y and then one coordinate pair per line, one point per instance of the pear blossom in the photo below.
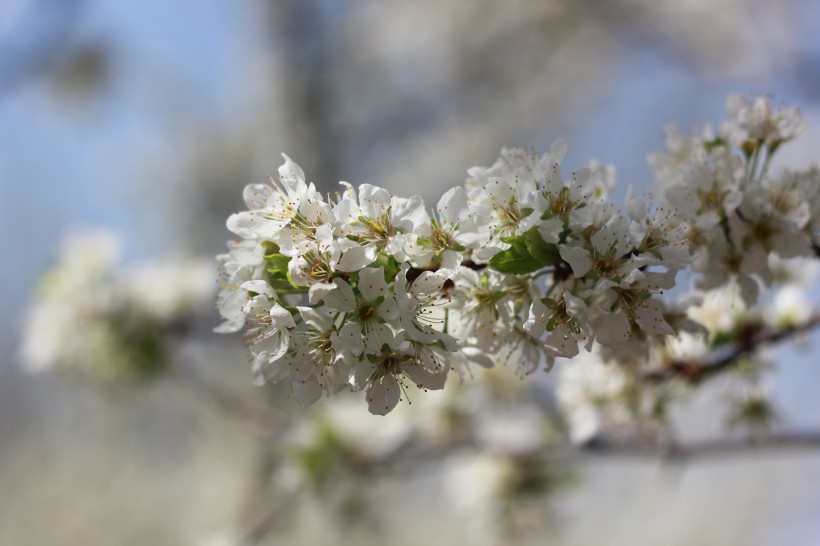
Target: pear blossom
x,y
708,192
787,196
757,119
268,322
482,309
389,362
381,221
244,262
272,206
589,392
449,235
421,308
565,204
607,257
681,150
660,233
800,272
722,262
791,307
565,319
96,319
719,309
505,200
318,265
522,350
602,177
373,292
758,227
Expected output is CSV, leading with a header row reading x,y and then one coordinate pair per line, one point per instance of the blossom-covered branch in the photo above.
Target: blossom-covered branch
x,y
719,447
724,356
369,291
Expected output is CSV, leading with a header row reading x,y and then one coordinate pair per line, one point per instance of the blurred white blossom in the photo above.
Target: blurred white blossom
x,y
94,318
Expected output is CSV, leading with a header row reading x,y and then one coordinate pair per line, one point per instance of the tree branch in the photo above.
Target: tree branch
x,y
257,532
722,358
705,449
411,453
263,423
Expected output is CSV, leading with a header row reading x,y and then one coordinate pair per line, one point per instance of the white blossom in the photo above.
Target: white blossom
x,y
449,235
587,389
272,206
758,119
97,319
374,292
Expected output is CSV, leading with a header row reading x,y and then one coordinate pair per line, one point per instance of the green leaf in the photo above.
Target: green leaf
x,y
390,265
546,253
279,269
278,261
515,260
514,240
713,143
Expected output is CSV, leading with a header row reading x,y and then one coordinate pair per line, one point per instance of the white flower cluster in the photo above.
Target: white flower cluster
x,y
736,210
94,319
603,397
369,290
521,264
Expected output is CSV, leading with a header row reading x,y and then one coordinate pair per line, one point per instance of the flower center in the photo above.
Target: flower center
x,y
510,216
781,201
560,205
318,268
365,312
484,298
561,316
630,299
441,239
322,344
733,262
606,266
711,199
388,364
380,230
762,231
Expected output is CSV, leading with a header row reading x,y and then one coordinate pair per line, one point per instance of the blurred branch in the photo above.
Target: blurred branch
x,y
695,370
715,448
264,423
307,38
257,532
409,454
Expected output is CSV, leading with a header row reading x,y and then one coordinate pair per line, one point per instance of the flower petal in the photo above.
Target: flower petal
x,y
342,298
306,392
578,258
383,396
649,316
612,330
372,284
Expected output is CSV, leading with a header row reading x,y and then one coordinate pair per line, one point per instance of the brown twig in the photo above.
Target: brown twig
x,y
722,358
705,449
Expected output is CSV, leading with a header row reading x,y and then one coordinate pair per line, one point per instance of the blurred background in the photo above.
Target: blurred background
x,y
148,118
